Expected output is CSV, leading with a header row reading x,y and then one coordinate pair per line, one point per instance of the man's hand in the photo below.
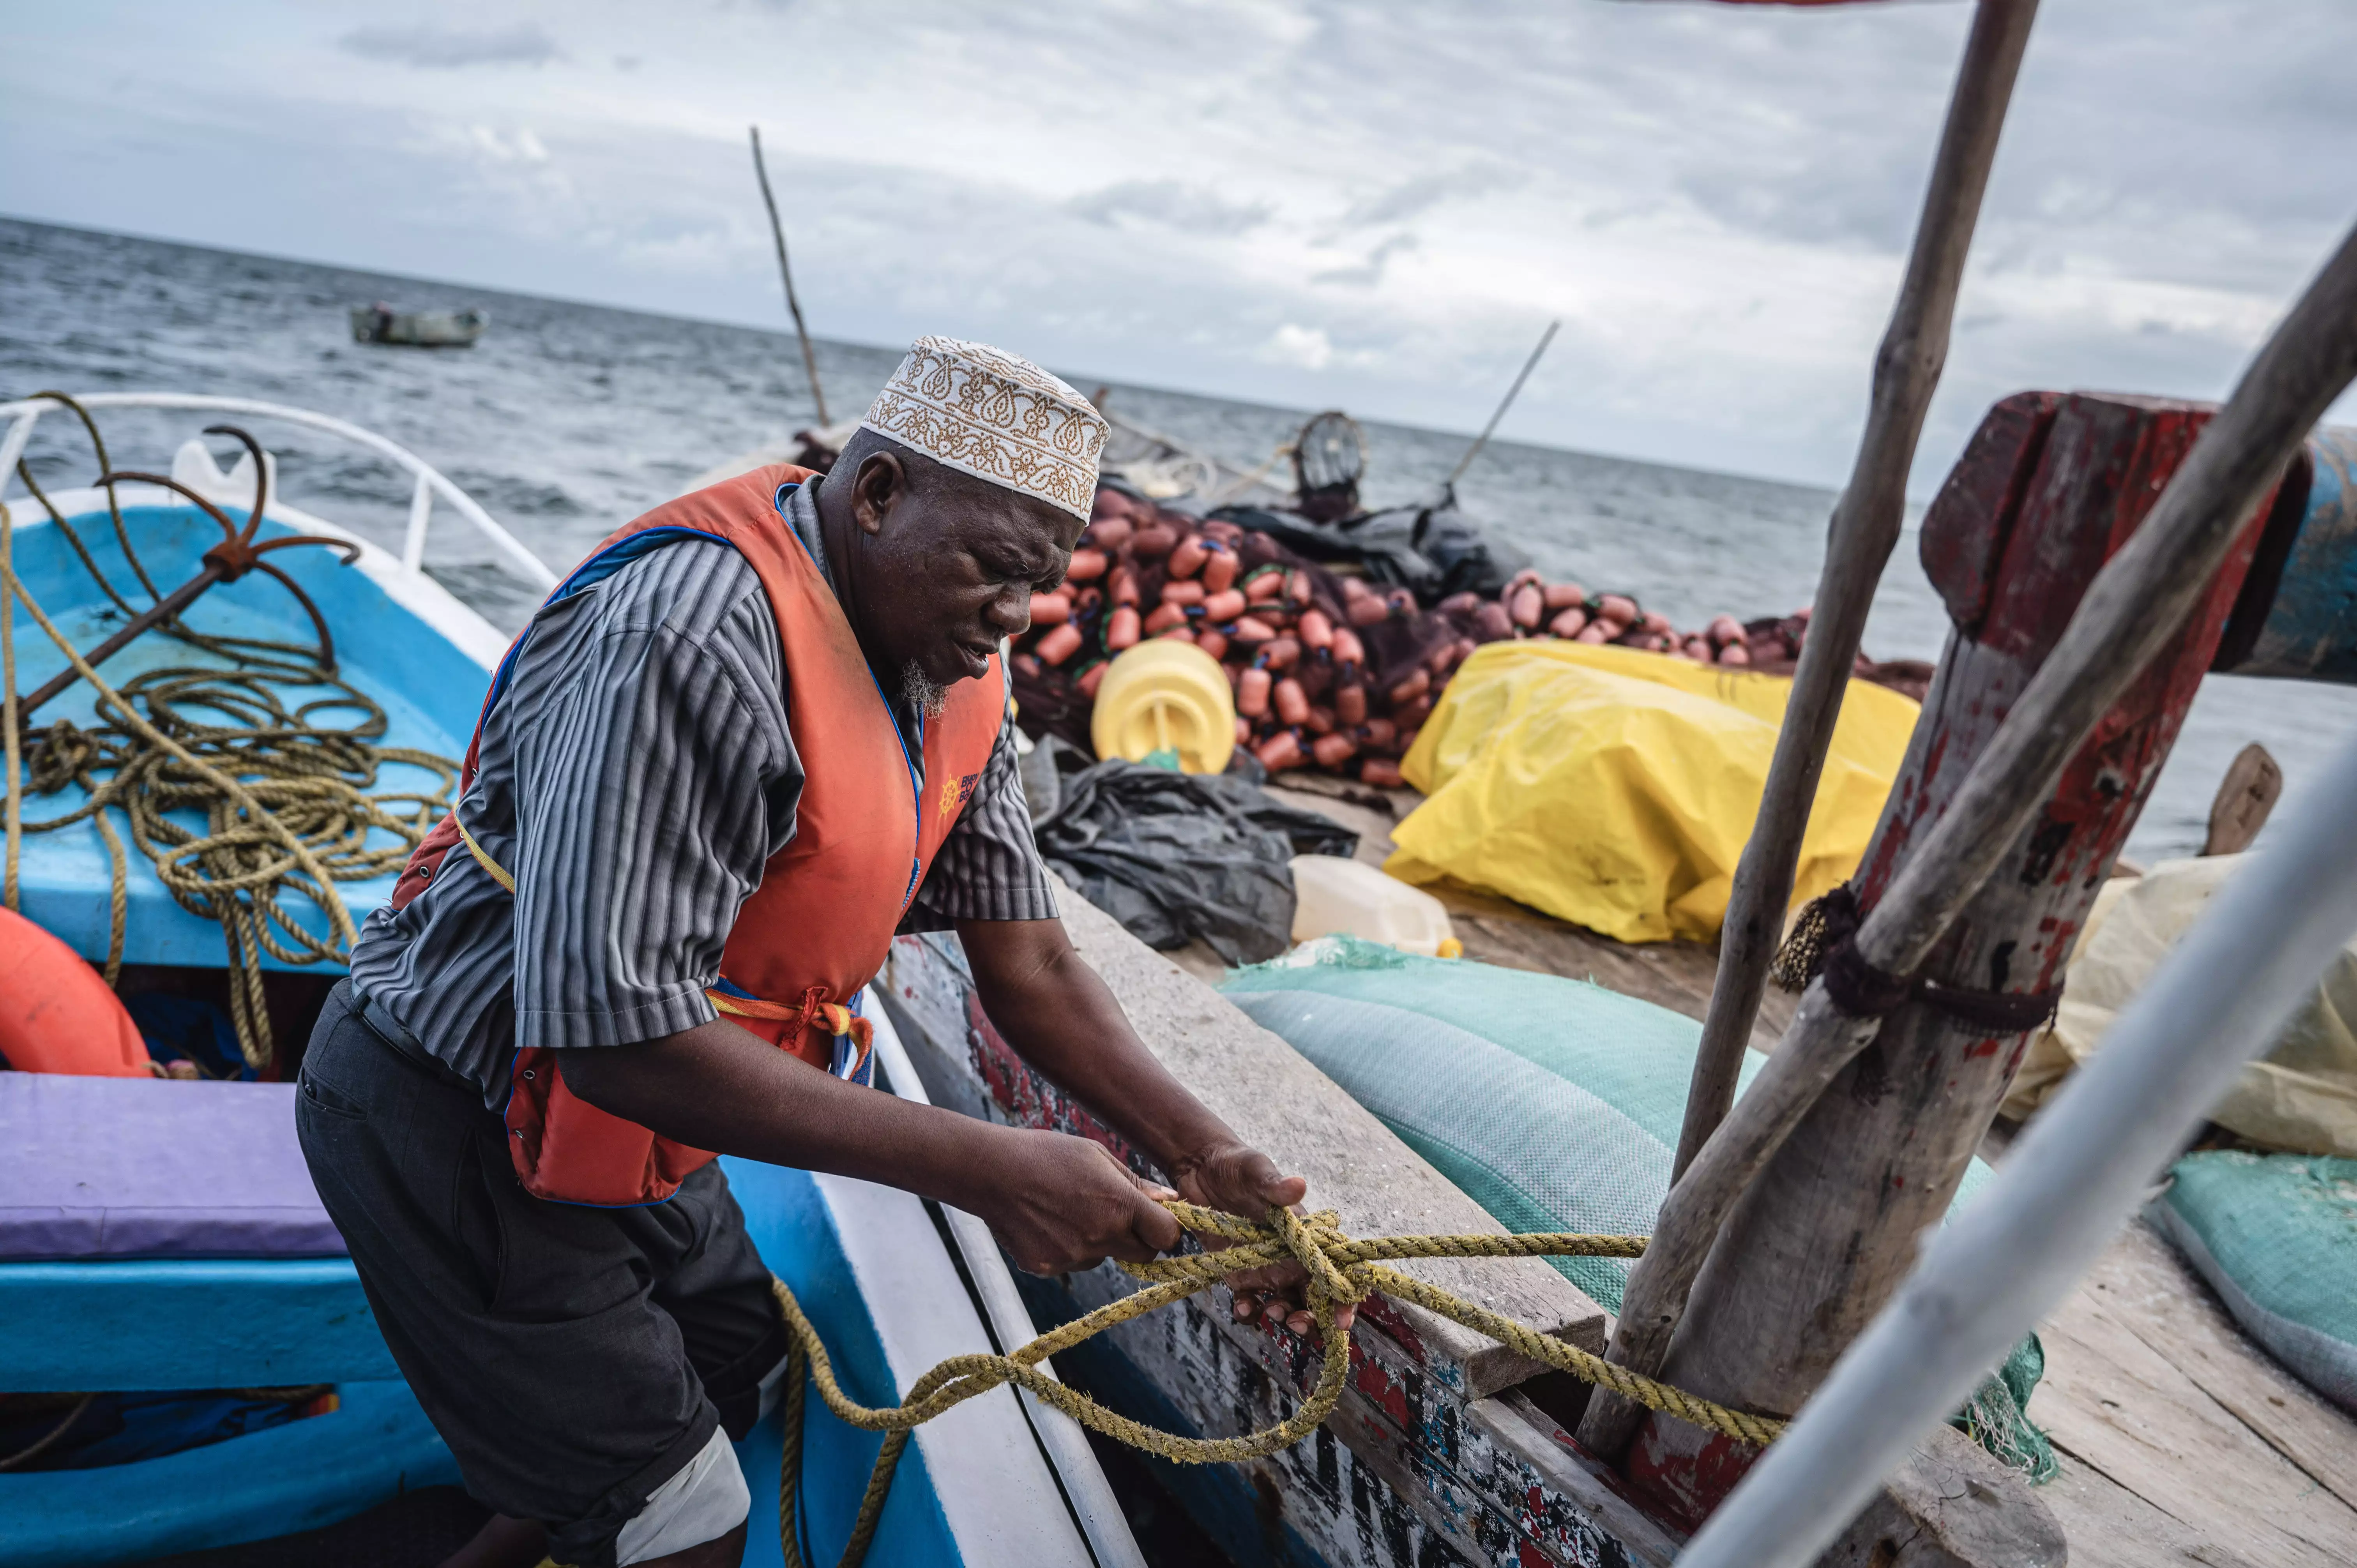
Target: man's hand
x,y
1057,1014
1058,1203
1239,1178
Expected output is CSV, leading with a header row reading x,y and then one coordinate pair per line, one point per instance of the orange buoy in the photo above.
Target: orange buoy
x,y
56,1014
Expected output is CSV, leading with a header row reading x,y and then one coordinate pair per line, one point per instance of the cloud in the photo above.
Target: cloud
x,y
1304,348
1190,208
523,147
1369,272
1217,194
448,48
1411,198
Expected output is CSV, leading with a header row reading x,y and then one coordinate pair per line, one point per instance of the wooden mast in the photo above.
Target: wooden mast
x,y
793,304
1866,525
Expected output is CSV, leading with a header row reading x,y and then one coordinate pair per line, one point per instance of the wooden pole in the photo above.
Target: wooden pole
x,y
2083,1169
1504,403
1830,1225
1865,526
793,304
2137,604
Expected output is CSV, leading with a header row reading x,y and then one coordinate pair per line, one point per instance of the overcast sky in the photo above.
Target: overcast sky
x,y
1370,205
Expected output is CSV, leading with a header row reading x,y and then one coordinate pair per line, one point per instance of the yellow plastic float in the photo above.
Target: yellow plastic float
x,y
1166,696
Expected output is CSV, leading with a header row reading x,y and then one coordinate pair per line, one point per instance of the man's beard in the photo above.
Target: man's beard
x,y
918,690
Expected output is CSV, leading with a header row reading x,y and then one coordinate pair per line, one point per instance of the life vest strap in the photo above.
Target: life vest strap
x,y
814,1012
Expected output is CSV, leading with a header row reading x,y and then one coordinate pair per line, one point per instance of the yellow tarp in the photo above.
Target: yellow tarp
x,y
1615,788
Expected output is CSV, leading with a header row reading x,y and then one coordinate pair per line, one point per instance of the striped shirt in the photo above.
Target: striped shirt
x,y
636,775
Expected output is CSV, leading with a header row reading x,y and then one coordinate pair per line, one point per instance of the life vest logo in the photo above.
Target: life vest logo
x,y
956,792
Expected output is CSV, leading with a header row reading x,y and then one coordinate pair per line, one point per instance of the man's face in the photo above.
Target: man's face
x,y
950,567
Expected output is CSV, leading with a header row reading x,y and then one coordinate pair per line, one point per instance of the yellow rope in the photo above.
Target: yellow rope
x,y
303,822
1342,1270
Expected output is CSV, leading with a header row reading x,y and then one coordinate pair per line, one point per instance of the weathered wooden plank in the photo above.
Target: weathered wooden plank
x,y
2118,1403
2142,1287
2111,1526
2246,799
1816,1244
1417,1469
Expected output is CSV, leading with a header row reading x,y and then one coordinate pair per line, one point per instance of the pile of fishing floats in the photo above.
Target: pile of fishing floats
x,y
1328,671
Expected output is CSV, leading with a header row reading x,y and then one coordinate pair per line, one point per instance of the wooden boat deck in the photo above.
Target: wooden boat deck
x,y
2181,1440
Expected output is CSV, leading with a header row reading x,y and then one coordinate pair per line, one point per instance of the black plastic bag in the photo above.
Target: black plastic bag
x,y
1175,856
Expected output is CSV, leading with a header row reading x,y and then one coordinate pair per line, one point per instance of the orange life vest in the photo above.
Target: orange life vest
x,y
55,1011
817,927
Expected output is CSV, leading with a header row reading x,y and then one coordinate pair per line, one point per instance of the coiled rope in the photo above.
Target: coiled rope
x,y
1341,1271
289,802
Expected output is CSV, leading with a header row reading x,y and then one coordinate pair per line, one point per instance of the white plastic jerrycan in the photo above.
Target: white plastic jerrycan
x,y
1334,894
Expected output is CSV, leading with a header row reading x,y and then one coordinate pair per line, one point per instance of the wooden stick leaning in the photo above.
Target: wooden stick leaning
x,y
1504,403
1865,529
2135,605
794,304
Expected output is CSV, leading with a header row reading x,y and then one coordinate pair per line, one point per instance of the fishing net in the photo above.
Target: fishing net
x,y
1996,1416
1554,1103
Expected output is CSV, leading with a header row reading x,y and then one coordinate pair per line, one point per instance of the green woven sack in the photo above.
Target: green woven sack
x,y
1553,1103
2276,1235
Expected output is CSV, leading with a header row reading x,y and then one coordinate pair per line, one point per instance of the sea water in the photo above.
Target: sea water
x,y
567,420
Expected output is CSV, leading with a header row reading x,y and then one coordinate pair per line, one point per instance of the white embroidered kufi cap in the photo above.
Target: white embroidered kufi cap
x,y
996,417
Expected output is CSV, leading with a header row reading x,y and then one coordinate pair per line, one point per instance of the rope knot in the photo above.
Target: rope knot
x,y
1313,1239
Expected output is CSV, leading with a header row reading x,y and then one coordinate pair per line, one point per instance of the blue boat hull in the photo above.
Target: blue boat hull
x,y
237,1323
867,1263
429,687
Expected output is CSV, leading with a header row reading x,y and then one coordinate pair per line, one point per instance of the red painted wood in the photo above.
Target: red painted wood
x,y
1966,529
1817,1246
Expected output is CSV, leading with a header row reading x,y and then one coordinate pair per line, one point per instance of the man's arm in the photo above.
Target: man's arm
x,y
1055,1202
1063,1019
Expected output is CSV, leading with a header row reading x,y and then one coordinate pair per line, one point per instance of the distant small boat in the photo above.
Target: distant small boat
x,y
380,323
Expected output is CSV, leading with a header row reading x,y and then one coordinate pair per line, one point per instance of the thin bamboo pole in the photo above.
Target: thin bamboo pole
x,y
1865,527
2076,1175
785,271
2135,605
1504,403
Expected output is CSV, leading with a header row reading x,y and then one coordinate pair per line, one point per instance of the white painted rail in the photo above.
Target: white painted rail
x,y
25,414
1061,1440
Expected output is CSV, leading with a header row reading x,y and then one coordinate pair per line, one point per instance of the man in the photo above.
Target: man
x,y
692,820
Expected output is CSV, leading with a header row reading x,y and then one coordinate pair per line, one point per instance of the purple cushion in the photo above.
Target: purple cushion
x,y
145,1167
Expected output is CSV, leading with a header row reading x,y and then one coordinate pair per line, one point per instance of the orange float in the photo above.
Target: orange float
x,y
56,1014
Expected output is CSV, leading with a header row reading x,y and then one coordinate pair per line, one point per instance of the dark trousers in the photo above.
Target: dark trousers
x,y
574,1358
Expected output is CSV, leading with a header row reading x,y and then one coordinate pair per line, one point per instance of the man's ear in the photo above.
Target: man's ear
x,y
881,481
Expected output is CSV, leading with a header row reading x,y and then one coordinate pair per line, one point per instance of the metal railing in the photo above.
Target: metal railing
x,y
429,482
